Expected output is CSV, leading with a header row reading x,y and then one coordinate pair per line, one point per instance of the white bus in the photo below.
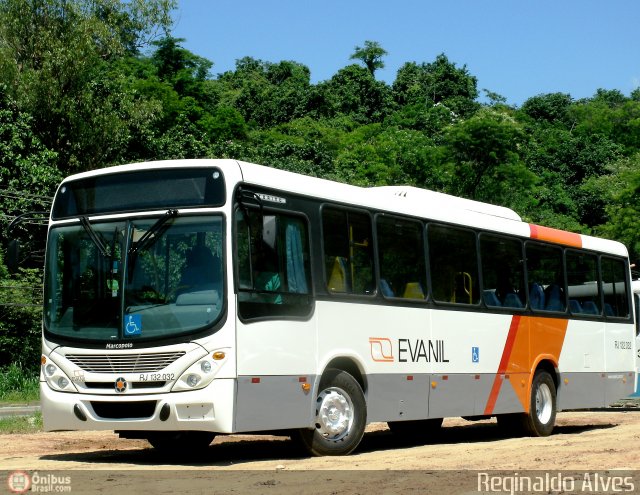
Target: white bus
x,y
189,298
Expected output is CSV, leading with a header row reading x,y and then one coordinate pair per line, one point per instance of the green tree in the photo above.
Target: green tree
x,y
353,92
484,154
375,155
551,108
439,82
621,188
28,176
609,114
266,94
54,54
370,55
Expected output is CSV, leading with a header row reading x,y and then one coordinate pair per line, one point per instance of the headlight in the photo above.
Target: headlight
x,y
193,380
199,374
56,378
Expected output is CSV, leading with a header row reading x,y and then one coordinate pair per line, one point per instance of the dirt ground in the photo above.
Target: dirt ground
x,y
100,462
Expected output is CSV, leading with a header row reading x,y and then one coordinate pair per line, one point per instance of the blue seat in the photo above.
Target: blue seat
x,y
490,298
536,297
385,288
575,306
555,299
608,310
512,300
590,308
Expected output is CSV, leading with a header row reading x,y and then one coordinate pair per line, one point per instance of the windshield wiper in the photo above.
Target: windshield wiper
x,y
95,237
150,237
154,232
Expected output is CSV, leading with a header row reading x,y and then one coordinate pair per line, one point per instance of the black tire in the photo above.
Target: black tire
x,y
541,419
542,408
180,441
419,429
341,416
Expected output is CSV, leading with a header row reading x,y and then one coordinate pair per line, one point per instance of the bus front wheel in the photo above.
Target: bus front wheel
x,y
340,416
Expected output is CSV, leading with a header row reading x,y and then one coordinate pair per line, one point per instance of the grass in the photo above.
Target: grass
x,y
18,384
21,424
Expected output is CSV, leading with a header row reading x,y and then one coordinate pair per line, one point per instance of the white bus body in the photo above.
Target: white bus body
x,y
341,334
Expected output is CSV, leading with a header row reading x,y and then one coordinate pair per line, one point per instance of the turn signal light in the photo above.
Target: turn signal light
x,y
219,355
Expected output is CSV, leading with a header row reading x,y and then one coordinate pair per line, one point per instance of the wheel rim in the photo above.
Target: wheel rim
x,y
544,403
334,415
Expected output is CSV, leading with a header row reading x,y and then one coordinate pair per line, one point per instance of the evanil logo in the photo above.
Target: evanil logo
x,y
407,350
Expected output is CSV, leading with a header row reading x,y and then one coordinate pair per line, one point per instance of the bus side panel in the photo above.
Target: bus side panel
x,y
467,378
276,359
579,390
387,346
397,397
581,365
273,403
619,348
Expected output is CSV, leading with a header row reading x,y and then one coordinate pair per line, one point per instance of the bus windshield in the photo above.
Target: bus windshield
x,y
140,279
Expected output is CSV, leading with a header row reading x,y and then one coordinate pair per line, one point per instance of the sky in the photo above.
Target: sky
x,y
516,48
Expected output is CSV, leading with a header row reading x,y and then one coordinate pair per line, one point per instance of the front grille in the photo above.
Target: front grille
x,y
132,385
124,410
124,363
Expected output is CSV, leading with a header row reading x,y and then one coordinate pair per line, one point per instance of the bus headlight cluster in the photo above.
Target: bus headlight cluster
x,y
198,375
55,377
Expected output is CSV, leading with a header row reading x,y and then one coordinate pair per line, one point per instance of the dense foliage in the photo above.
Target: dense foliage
x,y
93,83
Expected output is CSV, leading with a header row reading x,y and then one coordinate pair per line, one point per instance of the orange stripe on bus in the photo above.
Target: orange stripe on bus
x,y
506,354
555,235
529,340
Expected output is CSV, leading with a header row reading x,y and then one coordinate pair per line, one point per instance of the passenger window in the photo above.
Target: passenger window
x,y
582,283
403,271
614,286
347,251
273,264
453,264
546,277
502,272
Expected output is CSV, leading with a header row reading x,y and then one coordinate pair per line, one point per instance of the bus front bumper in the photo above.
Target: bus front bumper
x,y
207,409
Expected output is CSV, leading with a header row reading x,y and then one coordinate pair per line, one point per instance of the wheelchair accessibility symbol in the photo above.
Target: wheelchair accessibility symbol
x,y
133,325
475,354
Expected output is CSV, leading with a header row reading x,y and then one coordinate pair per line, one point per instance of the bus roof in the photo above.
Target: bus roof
x,y
407,200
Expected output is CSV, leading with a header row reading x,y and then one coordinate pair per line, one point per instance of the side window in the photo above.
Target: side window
x,y
403,271
582,283
348,256
614,286
546,277
453,263
502,272
272,264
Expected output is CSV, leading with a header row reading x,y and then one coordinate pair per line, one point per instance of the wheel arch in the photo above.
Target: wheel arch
x,y
351,366
548,364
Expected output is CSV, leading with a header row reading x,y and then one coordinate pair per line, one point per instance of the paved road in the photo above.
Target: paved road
x,y
19,410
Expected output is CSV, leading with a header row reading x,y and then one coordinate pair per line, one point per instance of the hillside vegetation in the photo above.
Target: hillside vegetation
x,y
86,84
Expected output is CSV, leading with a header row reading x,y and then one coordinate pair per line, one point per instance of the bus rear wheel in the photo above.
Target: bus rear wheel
x,y
542,409
340,416
540,420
